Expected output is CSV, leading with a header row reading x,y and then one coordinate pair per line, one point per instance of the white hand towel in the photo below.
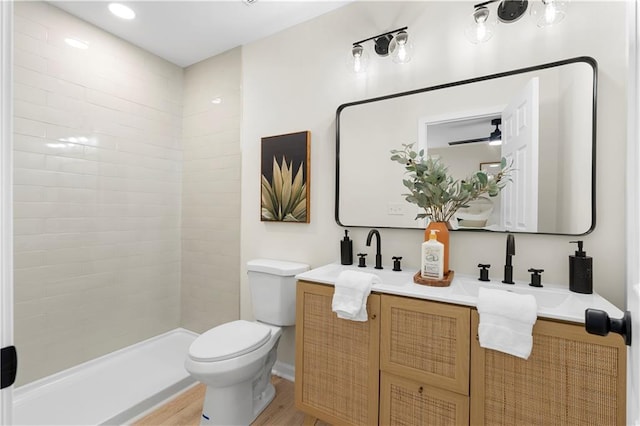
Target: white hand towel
x,y
350,295
506,321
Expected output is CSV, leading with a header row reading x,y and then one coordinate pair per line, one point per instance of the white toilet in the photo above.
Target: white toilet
x,y
235,359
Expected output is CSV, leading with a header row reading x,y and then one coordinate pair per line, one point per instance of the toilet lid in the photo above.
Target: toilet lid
x,y
229,340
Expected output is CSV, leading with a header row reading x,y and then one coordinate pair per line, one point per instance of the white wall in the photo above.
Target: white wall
x,y
210,284
296,79
97,192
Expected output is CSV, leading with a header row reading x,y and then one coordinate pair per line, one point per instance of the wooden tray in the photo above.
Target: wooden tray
x,y
445,282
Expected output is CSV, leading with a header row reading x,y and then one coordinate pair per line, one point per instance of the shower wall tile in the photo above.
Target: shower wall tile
x,y
210,275
97,192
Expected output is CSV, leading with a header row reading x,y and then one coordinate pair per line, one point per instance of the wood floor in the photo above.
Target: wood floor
x,y
186,408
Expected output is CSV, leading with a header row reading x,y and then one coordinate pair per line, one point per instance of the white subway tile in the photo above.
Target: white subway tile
x,y
28,27
30,61
29,94
28,259
23,126
26,43
28,226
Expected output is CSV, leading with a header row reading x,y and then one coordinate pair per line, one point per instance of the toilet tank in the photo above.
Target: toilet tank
x,y
273,290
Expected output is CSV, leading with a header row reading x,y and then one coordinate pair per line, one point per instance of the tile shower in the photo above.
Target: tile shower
x,y
112,146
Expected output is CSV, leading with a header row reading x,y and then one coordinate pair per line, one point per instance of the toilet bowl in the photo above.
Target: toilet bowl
x,y
235,359
237,371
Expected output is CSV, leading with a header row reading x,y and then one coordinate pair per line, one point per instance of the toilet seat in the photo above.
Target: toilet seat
x,y
229,340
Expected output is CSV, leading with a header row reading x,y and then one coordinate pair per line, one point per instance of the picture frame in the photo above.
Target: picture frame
x,y
285,178
490,168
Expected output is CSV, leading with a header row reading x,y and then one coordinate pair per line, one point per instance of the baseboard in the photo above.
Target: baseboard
x,y
284,370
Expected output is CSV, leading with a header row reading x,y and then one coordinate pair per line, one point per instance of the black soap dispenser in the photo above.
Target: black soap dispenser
x,y
580,271
346,249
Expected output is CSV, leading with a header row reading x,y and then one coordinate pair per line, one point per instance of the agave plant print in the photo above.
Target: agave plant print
x,y
285,178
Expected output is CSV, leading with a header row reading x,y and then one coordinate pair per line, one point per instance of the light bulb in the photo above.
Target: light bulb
x,y
553,11
358,59
357,64
481,31
400,48
550,13
481,27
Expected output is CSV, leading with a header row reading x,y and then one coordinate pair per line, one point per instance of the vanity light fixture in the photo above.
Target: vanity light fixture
x,y
394,42
545,12
122,11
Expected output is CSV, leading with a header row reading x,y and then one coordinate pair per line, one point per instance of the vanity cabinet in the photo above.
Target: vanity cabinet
x,y
418,362
570,378
337,361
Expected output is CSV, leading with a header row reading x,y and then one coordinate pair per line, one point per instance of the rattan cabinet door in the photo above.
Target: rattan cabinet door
x,y
426,341
407,402
570,378
337,361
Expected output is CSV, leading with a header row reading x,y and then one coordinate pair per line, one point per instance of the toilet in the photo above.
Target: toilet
x,y
235,359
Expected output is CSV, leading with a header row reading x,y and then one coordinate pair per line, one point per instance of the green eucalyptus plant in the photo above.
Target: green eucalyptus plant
x,y
434,190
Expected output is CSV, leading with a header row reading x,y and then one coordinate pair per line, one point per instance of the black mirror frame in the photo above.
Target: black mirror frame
x,y
584,59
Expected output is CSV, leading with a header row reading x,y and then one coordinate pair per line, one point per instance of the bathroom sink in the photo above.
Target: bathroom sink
x,y
329,273
545,297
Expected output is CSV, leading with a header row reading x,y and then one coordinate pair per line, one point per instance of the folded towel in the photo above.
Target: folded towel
x,y
350,295
506,321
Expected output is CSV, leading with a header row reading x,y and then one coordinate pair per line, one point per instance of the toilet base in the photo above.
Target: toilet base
x,y
230,406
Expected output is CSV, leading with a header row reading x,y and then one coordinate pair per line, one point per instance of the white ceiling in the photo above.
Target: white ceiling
x,y
186,32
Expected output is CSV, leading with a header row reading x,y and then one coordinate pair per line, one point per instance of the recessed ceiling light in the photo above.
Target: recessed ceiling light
x,y
122,11
78,44
216,100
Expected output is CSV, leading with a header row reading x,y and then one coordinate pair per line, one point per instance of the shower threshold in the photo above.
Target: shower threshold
x,y
111,390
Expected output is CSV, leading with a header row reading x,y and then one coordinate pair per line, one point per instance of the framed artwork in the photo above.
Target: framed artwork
x,y
491,169
285,178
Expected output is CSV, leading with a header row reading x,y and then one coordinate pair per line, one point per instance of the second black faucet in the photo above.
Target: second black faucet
x,y
508,267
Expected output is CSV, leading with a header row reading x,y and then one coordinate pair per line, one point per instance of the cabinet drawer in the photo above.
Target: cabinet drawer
x,y
427,341
407,402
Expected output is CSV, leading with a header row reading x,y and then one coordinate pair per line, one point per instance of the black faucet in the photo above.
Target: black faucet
x,y
378,254
511,251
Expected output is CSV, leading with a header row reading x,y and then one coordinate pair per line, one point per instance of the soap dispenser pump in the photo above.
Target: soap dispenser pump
x,y
580,271
346,249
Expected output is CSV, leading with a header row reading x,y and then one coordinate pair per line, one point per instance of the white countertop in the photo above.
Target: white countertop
x,y
554,301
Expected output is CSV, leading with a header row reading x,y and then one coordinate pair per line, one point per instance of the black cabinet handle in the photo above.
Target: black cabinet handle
x,y
598,322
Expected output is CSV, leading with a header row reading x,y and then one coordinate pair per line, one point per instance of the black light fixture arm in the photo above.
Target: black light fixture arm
x,y
384,34
484,3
